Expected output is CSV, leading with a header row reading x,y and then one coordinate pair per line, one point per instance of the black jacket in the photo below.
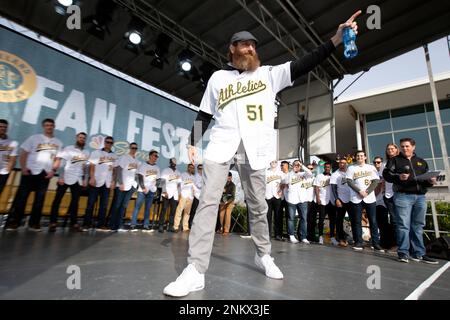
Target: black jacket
x,y
415,167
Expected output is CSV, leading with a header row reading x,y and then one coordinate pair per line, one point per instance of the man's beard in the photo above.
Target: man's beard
x,y
246,61
80,144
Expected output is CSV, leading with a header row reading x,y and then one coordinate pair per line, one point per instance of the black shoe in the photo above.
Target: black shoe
x,y
278,238
358,247
377,248
171,229
425,259
161,230
403,259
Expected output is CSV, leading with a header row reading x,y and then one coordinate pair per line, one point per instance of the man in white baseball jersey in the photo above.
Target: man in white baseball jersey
x,y
241,99
274,176
171,179
324,199
341,192
185,202
74,176
8,154
36,161
363,179
127,166
148,176
101,181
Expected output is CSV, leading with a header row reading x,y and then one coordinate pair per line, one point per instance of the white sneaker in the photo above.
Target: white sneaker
x,y
320,240
266,263
334,242
305,241
122,230
292,239
189,280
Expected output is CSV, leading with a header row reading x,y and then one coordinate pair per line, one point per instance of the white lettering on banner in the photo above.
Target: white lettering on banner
x,y
73,113
103,117
183,134
150,136
39,100
132,128
168,133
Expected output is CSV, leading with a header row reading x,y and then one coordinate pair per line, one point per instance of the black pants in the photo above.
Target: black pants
x,y
75,191
386,232
323,211
389,202
195,203
340,216
94,193
3,180
29,183
311,221
274,205
173,207
284,213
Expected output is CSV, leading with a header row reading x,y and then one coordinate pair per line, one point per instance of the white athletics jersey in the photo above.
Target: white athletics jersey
x,y
300,186
323,182
8,148
76,160
41,152
171,180
273,181
198,181
104,163
343,190
187,185
243,106
362,176
129,167
151,173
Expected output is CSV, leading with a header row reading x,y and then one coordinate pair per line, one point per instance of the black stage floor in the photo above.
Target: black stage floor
x,y
139,265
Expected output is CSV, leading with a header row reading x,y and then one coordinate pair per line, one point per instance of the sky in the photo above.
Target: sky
x,y
409,66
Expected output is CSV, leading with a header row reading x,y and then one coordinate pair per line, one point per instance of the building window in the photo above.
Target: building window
x,y
407,118
377,145
422,138
378,122
444,107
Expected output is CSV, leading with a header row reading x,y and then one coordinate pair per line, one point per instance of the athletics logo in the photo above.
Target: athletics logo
x,y
17,78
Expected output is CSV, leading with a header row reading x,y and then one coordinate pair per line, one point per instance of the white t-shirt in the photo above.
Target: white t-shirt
x,y
273,181
104,163
129,167
42,150
198,180
388,186
300,184
8,148
343,190
171,180
151,173
244,110
187,185
362,176
76,160
323,182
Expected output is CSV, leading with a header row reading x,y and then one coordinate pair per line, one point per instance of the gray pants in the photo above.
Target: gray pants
x,y
203,227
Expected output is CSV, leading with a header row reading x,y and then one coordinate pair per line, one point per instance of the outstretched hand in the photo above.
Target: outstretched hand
x,y
337,38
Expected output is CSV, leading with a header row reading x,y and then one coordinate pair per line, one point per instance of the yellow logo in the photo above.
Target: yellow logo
x,y
17,78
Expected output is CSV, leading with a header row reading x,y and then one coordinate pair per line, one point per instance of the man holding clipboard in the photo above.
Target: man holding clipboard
x,y
411,178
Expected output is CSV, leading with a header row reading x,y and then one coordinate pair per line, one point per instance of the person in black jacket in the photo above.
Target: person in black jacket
x,y
409,200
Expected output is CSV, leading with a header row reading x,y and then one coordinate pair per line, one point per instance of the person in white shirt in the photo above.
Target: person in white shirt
x,y
198,181
241,100
363,179
171,179
297,197
392,151
381,209
36,161
127,167
148,178
324,198
284,207
185,201
274,176
8,154
101,182
74,176
341,192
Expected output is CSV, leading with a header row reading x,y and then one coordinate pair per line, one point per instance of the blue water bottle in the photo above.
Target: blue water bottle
x,y
349,37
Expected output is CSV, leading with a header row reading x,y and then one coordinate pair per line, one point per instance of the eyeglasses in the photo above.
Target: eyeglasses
x,y
155,155
133,148
109,142
377,162
296,165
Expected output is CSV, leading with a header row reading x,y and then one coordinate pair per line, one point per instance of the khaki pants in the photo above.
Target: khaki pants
x,y
225,216
183,208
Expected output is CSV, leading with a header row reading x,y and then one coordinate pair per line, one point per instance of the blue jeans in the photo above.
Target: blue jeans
x,y
355,219
148,198
119,207
302,209
410,212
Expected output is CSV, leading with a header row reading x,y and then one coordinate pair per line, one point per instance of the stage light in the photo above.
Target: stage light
x,y
65,3
62,5
186,65
135,33
161,51
185,60
135,37
99,22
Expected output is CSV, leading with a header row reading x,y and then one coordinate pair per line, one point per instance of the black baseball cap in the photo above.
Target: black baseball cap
x,y
242,36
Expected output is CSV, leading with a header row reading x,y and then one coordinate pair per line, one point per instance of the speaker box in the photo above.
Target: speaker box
x,y
440,248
